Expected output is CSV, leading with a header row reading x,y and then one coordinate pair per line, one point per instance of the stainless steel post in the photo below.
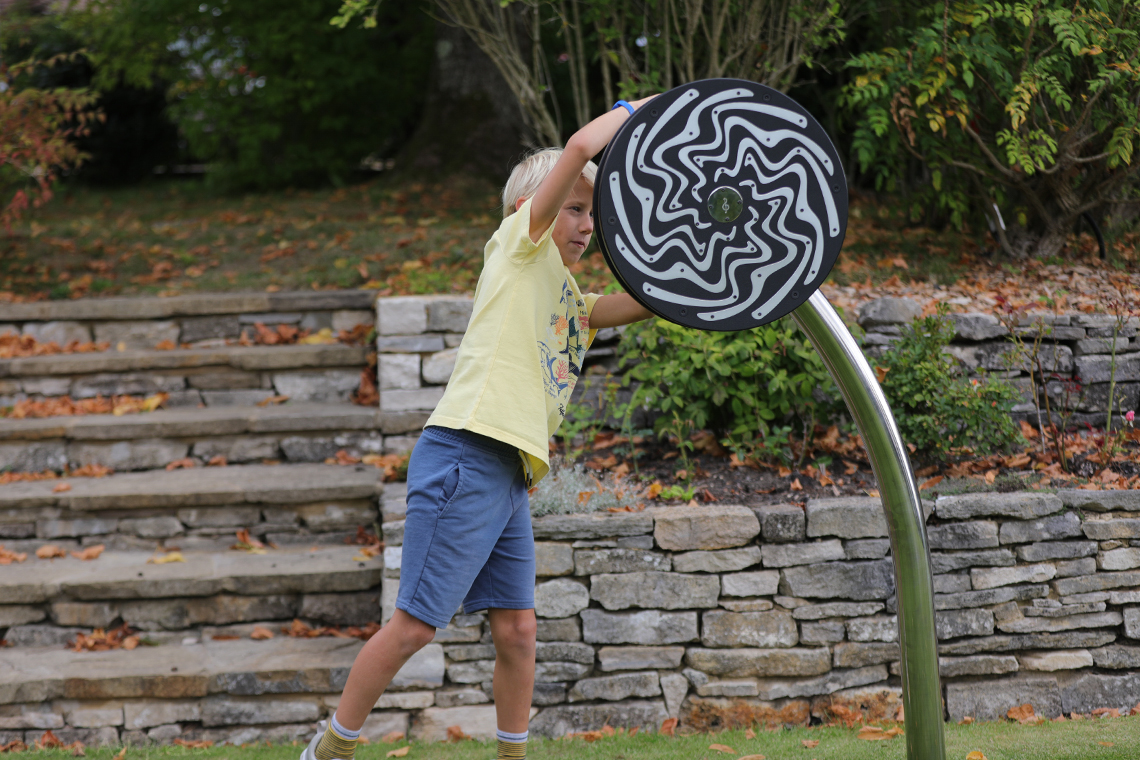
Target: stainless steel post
x,y
922,691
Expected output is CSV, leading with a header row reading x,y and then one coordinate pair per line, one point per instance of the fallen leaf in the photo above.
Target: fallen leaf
x,y
50,551
48,741
90,553
8,557
185,462
61,487
976,755
796,485
455,734
392,737
749,734
930,483
194,743
810,743
654,490
966,721
166,559
751,757
1021,713
273,400
400,752
259,633
217,461
991,475
722,748
1107,744
668,727
165,345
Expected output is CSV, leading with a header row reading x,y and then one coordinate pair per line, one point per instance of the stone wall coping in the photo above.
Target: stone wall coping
x,y
157,307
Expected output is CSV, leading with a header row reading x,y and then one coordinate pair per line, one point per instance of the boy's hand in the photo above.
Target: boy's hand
x,y
582,146
617,309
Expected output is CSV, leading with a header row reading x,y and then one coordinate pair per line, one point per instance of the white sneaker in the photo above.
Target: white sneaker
x,y
310,752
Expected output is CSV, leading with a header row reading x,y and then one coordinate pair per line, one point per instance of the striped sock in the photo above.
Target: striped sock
x,y
338,743
512,746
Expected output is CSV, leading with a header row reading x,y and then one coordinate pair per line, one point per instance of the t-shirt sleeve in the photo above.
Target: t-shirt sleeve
x,y
518,246
591,299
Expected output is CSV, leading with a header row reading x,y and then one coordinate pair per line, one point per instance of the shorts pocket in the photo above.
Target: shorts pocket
x,y
450,487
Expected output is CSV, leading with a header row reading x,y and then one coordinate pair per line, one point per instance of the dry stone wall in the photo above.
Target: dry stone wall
x,y
775,614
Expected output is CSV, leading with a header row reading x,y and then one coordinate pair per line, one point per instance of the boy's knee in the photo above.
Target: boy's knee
x,y
414,634
516,630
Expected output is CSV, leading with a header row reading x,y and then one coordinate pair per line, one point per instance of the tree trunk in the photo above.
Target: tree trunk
x,y
471,122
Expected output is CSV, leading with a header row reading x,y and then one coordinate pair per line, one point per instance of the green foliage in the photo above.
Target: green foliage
x,y
269,94
1034,104
937,409
752,388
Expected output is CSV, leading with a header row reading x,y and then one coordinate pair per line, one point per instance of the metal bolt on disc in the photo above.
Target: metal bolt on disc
x,y
721,204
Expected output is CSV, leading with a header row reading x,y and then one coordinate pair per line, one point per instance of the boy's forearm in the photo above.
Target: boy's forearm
x,y
615,310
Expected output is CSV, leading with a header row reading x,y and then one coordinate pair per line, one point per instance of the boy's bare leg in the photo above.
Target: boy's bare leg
x,y
513,632
377,663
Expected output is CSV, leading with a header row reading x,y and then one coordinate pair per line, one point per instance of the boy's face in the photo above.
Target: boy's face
x,y
575,223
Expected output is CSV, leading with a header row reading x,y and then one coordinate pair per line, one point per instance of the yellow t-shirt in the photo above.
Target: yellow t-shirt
x,y
524,345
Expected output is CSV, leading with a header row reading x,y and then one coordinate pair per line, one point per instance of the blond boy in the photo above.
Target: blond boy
x,y
467,536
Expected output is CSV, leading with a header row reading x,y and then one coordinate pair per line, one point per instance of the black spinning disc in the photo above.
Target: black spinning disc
x,y
721,204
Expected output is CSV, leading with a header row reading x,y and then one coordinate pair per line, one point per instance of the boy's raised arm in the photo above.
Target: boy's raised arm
x,y
583,145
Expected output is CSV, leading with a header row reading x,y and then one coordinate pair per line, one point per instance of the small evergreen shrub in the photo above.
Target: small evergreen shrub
x,y
755,389
937,408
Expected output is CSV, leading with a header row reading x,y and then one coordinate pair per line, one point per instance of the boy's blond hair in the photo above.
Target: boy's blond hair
x,y
531,171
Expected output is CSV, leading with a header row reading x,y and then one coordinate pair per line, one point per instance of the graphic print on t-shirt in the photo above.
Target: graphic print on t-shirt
x,y
564,347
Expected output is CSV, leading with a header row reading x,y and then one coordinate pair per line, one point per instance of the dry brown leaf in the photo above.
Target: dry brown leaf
x,y
50,551
13,746
991,475
185,462
1020,713
273,400
165,345
668,727
217,461
966,721
399,752
722,748
90,553
194,743
796,486
259,633
455,734
881,374
165,559
392,737
48,741
930,483
1107,744
8,557
749,734
976,755
61,487
751,757
810,743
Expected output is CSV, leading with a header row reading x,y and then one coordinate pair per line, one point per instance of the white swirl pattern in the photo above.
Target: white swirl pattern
x,y
731,268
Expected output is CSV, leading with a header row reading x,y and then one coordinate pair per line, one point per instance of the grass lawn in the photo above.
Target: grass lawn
x,y
1094,739
399,237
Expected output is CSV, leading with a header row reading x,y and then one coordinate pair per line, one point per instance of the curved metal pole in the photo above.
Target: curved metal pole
x,y
922,691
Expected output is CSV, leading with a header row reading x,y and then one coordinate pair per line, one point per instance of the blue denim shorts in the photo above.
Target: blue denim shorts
x,y
467,535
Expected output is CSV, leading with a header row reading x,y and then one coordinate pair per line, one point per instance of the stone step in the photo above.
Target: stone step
x,y
132,576
194,423
248,358
198,487
281,665
241,434
201,304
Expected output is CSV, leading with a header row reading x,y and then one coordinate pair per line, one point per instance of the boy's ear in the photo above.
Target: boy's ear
x,y
519,203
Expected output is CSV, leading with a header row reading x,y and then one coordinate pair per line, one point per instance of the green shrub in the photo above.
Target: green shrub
x,y
937,408
268,93
755,389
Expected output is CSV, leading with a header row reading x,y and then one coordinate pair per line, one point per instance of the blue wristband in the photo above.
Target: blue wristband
x,y
625,105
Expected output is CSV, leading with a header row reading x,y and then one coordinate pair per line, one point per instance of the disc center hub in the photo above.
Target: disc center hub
x,y
725,204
